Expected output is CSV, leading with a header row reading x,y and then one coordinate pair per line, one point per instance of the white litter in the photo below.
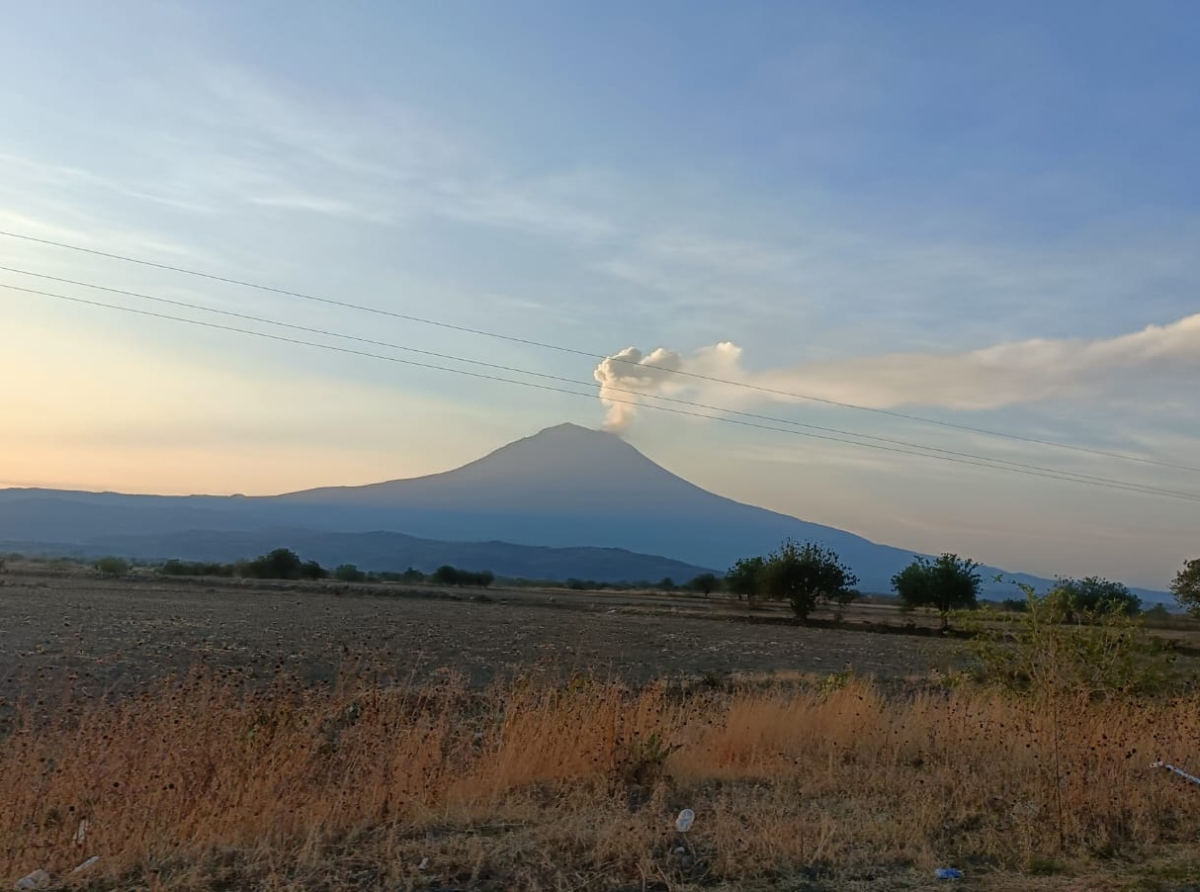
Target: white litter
x,y
1179,771
683,823
86,864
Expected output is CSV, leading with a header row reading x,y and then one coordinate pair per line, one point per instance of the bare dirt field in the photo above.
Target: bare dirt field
x,y
121,632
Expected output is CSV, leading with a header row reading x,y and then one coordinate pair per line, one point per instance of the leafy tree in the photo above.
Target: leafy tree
x,y
1093,597
745,577
1186,587
349,573
112,566
705,583
949,583
802,575
666,584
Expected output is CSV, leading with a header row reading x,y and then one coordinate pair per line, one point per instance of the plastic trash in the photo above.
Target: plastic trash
x,y
1179,771
683,823
81,832
35,880
86,864
948,873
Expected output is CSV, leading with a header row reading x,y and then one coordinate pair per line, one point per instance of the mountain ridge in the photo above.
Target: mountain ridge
x,y
564,487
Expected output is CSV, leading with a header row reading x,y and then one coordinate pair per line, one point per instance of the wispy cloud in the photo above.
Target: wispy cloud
x,y
1003,375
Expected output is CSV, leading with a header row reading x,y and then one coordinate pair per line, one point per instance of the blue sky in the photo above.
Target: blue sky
x,y
963,212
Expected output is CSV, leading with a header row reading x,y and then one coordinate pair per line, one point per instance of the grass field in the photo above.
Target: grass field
x,y
202,737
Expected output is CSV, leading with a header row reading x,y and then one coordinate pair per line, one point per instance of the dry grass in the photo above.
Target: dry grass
x,y
205,783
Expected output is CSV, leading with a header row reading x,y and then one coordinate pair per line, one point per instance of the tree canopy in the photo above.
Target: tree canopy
x,y
805,574
1095,597
1186,587
946,584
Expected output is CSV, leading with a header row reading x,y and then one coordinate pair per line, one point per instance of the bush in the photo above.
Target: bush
x,y
447,575
1044,654
1093,597
282,563
112,566
176,567
949,583
705,584
349,573
1186,587
666,584
802,575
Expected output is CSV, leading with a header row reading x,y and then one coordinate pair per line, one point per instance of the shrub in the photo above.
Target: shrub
x,y
802,575
1041,652
282,563
705,583
312,570
949,583
349,573
447,575
112,566
176,567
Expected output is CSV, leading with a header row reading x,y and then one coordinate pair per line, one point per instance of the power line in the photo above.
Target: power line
x,y
598,356
1052,475
572,381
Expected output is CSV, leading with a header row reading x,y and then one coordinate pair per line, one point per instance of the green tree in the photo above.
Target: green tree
x,y
349,573
1186,587
666,584
1093,597
805,574
744,578
112,566
705,583
948,583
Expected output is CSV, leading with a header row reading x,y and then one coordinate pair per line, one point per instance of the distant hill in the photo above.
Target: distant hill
x,y
382,551
565,487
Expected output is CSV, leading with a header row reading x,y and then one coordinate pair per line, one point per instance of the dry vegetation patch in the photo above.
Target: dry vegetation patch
x,y
208,782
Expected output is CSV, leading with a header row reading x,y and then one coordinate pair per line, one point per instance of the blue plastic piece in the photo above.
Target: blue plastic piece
x,y
949,873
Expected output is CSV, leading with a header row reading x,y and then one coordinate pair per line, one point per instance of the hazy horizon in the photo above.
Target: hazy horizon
x,y
981,217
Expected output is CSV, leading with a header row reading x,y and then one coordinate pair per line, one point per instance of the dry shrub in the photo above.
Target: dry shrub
x,y
206,781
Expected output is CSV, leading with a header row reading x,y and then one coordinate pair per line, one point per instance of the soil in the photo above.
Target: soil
x,y
119,634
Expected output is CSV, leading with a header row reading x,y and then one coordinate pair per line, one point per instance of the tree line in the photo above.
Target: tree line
x,y
283,563
809,575
804,575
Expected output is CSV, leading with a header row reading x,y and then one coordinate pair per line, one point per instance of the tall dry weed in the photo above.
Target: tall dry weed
x,y
530,785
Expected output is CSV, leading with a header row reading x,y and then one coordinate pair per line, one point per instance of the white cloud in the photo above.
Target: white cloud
x,y
1006,374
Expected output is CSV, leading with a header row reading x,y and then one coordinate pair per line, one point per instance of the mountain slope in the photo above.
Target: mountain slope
x,y
565,487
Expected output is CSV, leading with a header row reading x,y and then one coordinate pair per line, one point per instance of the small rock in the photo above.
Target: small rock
x,y
35,880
